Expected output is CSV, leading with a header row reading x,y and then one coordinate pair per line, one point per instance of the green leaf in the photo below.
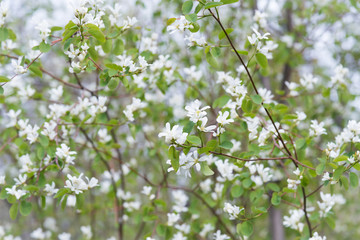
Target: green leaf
x,y
237,191
212,144
42,180
25,208
114,66
243,52
211,60
114,82
261,60
246,228
96,32
194,139
61,192
226,145
44,141
275,199
64,201
4,79
344,182
246,106
1,90
341,158
44,47
36,70
215,51
257,99
56,28
14,210
354,179
4,33
222,34
300,143
43,201
338,172
205,169
174,158
212,4
80,199
187,6
320,168
189,127
229,1
118,47
330,221
107,46
68,33
221,101
247,183
274,187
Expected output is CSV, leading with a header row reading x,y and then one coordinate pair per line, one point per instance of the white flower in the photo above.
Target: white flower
x,y
175,134
93,182
317,129
194,41
308,81
76,184
26,92
266,95
50,129
17,193
328,201
223,118
44,29
180,199
300,116
194,112
232,210
64,153
252,39
40,234
203,127
72,53
64,236
292,86
129,22
20,180
340,75
193,160
13,117
206,229
147,191
86,231
225,169
179,236
219,236
259,36
56,93
326,177
76,67
317,237
180,24
2,180
294,220
18,68
260,17
103,135
50,189
172,218
134,106
292,184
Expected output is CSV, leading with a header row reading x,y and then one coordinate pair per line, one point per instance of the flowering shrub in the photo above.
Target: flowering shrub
x,y
179,119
